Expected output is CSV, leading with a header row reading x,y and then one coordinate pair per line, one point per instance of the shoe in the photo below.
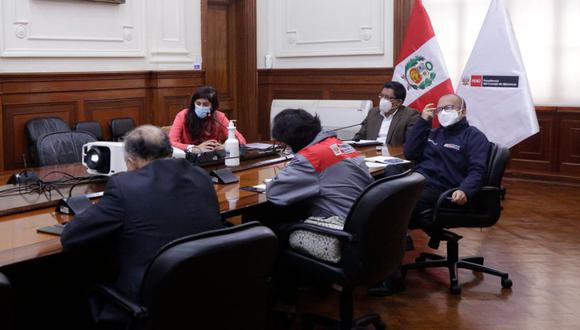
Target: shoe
x,y
409,246
393,284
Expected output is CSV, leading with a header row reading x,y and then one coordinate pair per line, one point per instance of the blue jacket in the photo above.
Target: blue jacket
x,y
449,157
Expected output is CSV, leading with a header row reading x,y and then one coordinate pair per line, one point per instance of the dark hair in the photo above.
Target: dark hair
x,y
398,88
148,142
296,127
193,123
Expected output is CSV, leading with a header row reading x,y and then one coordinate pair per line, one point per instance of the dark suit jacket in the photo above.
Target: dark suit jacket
x,y
402,121
140,212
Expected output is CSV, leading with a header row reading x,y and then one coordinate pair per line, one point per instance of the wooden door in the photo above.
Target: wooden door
x,y
229,59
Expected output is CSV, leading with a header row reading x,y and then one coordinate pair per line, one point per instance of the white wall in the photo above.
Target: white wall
x,y
325,33
76,35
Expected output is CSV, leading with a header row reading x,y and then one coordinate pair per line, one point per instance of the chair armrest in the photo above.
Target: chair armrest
x,y
340,234
440,200
135,309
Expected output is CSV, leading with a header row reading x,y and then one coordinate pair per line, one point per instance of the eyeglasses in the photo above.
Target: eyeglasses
x,y
383,96
446,107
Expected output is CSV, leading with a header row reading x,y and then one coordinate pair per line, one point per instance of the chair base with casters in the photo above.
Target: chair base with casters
x,y
346,298
372,247
453,262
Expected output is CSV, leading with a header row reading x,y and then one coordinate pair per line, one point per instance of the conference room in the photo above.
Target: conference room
x,y
258,164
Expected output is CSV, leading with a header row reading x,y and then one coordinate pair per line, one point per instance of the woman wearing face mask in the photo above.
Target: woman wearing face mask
x,y
201,127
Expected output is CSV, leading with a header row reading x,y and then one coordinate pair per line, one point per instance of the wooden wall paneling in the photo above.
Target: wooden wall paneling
x,y
14,120
104,111
346,84
247,79
536,153
170,92
219,58
569,141
402,11
1,131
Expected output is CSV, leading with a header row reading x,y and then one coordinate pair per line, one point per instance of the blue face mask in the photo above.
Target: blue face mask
x,y
202,112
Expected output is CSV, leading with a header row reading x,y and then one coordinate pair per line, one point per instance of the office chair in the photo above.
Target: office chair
x,y
92,127
373,243
37,127
120,127
6,300
483,211
62,147
214,280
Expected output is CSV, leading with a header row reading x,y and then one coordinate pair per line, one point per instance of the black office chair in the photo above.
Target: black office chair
x,y
62,147
483,211
213,280
92,127
120,127
6,301
373,243
37,127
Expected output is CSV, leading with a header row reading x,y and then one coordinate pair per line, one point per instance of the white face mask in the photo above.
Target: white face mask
x,y
448,117
385,105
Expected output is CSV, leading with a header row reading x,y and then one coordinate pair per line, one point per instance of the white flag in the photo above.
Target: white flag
x,y
494,83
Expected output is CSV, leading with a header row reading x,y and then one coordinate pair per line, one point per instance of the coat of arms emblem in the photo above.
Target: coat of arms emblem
x,y
419,73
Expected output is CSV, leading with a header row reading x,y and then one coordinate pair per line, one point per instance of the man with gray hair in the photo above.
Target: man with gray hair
x,y
157,201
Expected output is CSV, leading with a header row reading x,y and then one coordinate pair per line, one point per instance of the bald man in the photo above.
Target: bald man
x,y
157,201
454,155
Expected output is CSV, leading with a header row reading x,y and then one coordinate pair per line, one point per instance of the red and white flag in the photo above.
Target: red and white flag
x,y
420,66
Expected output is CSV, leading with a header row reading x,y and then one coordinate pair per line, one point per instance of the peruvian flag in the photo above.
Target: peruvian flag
x,y
420,66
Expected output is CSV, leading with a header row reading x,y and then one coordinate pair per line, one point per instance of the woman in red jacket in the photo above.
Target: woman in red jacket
x,y
201,127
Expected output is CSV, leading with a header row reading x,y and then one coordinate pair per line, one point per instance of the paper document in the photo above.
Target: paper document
x,y
372,165
387,160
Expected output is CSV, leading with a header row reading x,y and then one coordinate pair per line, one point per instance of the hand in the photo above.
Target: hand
x,y
220,146
459,197
209,145
428,111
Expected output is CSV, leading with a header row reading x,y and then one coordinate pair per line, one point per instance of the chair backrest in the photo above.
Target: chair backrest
x,y
378,222
485,208
92,127
214,280
62,147
332,113
37,127
6,301
120,126
498,160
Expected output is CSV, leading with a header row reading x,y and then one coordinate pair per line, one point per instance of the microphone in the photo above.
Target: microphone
x,y
23,177
344,127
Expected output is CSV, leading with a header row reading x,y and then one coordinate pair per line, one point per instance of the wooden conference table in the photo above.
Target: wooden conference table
x,y
22,215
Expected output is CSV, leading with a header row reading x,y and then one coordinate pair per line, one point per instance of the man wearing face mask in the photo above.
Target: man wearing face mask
x,y
452,156
391,120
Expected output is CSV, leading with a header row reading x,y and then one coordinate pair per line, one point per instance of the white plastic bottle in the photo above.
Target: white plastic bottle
x,y
232,146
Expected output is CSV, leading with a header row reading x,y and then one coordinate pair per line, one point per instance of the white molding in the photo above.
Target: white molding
x,y
25,41
288,41
169,43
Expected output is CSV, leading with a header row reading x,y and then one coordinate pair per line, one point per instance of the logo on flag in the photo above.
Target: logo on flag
x,y
419,73
491,81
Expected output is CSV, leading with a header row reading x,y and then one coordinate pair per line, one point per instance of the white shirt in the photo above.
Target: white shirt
x,y
384,131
